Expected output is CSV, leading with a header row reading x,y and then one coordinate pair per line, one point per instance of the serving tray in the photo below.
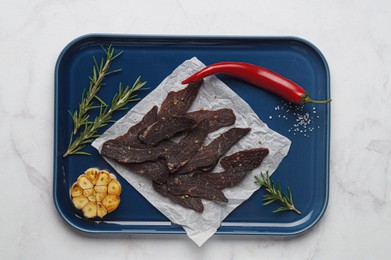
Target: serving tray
x,y
305,170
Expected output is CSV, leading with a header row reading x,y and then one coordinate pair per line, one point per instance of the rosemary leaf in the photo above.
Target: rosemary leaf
x,y
280,209
275,194
99,72
82,153
119,101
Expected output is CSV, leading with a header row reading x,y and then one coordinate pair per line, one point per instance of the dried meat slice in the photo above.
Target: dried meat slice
x,y
186,201
236,167
216,118
221,180
207,158
245,160
125,154
187,185
131,137
177,103
165,128
156,171
178,155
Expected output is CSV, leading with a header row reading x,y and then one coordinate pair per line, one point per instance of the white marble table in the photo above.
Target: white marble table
x,y
355,38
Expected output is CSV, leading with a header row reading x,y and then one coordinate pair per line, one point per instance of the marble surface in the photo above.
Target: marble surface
x,y
356,41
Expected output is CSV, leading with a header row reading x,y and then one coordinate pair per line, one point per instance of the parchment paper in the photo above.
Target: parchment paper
x,y
214,94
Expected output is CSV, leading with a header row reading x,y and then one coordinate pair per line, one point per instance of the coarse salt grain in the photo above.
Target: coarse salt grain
x,y
304,121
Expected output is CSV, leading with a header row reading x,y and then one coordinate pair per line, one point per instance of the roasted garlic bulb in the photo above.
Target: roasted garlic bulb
x,y
96,193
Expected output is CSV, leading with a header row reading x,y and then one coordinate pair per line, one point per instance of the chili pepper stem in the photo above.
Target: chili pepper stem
x,y
306,99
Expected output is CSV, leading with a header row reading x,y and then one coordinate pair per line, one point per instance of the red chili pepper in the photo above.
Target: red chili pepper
x,y
261,77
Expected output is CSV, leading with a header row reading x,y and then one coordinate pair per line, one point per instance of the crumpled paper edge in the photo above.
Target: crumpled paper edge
x,y
200,227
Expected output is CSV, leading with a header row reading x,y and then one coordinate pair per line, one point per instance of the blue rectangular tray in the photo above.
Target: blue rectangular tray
x,y
305,169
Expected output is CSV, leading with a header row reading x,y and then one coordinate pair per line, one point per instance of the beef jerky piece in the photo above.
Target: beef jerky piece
x,y
216,118
165,128
221,180
207,158
178,155
131,137
246,160
177,103
187,185
125,154
186,201
156,171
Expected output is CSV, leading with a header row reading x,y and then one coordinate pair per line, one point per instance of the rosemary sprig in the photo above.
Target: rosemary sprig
x,y
123,97
275,194
99,72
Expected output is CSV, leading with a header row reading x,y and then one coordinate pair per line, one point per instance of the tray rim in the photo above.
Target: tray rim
x,y
141,230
